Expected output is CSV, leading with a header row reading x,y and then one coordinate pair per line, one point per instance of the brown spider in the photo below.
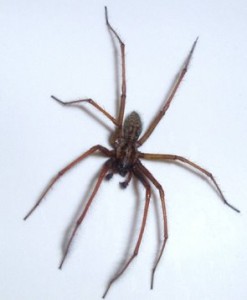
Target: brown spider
x,y
124,159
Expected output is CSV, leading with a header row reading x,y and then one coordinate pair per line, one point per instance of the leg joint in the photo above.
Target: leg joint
x,y
60,173
209,174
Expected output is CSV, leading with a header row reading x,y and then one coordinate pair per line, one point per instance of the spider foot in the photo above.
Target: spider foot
x,y
58,100
232,207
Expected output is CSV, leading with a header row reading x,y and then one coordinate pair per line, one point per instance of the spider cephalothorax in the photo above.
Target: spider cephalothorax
x,y
124,159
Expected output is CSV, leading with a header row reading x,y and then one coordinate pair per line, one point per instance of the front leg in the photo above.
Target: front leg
x,y
120,116
172,157
90,101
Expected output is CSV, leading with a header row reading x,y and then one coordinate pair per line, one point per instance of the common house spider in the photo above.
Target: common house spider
x,y
125,159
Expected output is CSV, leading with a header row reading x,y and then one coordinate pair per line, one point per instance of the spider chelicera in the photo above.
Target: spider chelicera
x,y
124,159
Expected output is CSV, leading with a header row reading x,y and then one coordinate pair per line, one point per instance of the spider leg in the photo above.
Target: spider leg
x,y
101,176
90,101
64,170
146,172
172,157
123,92
146,184
171,95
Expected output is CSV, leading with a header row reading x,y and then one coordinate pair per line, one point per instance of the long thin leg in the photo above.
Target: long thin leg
x,y
172,157
90,101
163,205
144,219
169,99
82,216
64,170
123,93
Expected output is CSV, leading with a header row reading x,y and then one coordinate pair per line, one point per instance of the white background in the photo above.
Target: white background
x,y
63,48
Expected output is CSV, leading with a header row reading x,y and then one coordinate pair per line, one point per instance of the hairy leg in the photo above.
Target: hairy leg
x,y
144,181
102,174
169,99
64,170
123,92
146,172
172,157
90,101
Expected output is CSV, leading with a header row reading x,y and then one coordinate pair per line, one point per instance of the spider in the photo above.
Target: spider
x,y
125,159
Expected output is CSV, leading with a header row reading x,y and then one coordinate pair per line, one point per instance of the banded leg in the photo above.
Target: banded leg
x,y
170,97
123,92
144,181
184,160
102,174
64,170
163,205
90,101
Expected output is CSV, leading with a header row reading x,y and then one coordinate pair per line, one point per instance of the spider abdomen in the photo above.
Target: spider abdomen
x,y
132,127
